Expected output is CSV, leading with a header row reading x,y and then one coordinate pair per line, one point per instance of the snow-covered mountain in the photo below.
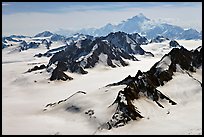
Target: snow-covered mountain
x,y
128,42
79,52
82,51
190,34
21,43
145,83
78,36
141,88
44,34
145,26
110,50
42,37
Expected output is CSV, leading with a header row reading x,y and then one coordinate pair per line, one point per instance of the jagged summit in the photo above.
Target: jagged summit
x,y
159,39
111,50
44,34
143,25
141,88
140,17
146,83
128,42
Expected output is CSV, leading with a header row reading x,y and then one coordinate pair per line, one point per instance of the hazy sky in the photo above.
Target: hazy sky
x,y
30,18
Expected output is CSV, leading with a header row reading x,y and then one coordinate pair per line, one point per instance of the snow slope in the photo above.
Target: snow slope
x,y
23,99
160,49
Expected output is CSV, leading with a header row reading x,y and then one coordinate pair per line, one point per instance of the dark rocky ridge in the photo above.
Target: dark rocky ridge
x,y
123,40
47,43
85,53
25,46
50,52
145,84
35,68
158,39
58,73
5,44
174,44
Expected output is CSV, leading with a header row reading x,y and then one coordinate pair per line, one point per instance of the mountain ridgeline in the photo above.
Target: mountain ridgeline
x,y
144,84
144,26
140,24
110,50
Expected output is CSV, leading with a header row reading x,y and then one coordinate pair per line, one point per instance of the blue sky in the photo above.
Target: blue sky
x,y
32,17
50,7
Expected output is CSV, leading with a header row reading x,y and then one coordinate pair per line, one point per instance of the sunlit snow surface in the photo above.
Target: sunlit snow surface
x,y
23,100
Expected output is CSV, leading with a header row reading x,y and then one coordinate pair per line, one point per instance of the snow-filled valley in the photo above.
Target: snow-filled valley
x,y
86,101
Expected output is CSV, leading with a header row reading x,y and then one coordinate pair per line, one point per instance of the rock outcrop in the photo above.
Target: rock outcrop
x,y
35,68
159,39
58,73
111,51
174,44
145,84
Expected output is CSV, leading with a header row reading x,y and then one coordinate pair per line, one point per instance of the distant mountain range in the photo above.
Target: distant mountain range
x,y
109,45
151,30
82,51
142,25
78,52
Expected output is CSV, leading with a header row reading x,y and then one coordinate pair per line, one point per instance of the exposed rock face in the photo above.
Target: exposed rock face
x,y
159,39
5,45
89,54
197,57
110,50
125,110
47,43
174,44
58,73
50,52
37,68
145,83
68,56
25,46
130,43
4,39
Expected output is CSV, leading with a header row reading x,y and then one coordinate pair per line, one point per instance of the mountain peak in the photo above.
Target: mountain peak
x,y
141,17
44,34
149,28
118,33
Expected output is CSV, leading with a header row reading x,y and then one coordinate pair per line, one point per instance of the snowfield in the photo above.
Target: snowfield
x,y
25,96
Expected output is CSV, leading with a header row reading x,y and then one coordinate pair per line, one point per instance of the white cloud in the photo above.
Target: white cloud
x,y
33,22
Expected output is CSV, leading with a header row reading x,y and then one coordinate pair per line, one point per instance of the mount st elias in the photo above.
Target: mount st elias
x,y
142,25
